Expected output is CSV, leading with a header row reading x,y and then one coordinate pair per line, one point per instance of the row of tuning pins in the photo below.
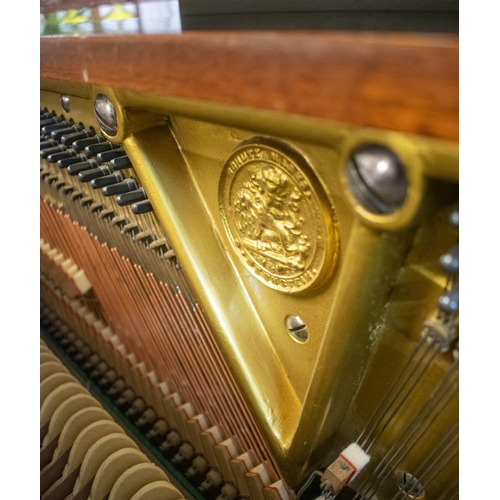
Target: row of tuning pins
x,y
92,158
448,302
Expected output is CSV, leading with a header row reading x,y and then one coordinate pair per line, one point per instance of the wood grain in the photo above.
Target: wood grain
x,y
406,83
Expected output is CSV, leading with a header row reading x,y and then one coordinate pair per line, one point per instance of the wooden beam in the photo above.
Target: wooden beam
x,y
400,82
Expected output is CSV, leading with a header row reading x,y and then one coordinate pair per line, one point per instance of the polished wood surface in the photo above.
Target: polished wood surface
x,y
406,83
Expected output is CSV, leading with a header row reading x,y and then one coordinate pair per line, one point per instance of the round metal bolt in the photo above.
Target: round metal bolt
x,y
65,103
297,328
377,178
106,114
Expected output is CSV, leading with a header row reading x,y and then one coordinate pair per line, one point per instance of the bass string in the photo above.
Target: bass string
x,y
442,386
397,380
416,429
446,493
390,399
434,349
442,466
437,454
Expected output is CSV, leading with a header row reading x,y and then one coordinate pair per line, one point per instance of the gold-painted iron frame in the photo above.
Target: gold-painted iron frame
x,y
308,398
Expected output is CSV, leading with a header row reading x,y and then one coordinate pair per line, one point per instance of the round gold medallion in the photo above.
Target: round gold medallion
x,y
277,216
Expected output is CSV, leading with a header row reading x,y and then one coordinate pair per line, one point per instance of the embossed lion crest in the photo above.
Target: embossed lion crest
x,y
268,216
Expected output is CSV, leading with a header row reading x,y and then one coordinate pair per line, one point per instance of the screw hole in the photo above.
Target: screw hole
x,y
297,328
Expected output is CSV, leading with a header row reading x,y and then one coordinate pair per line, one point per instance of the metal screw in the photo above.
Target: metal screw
x,y
106,114
410,486
377,178
65,102
297,328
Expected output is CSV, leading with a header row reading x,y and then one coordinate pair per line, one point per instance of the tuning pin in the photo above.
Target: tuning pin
x,y
95,149
122,187
76,168
131,197
142,207
57,134
44,153
94,173
48,144
81,144
51,121
69,139
109,155
66,162
121,163
54,158
47,114
108,180
47,130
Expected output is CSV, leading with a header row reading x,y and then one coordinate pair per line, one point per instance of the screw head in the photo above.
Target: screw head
x,y
106,114
410,485
65,103
296,328
377,178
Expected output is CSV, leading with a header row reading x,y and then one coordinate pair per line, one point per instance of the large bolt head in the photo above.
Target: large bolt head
x,y
106,114
377,178
65,103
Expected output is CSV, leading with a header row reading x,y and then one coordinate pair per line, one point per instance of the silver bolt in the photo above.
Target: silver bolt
x,y
377,178
65,103
296,327
106,114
